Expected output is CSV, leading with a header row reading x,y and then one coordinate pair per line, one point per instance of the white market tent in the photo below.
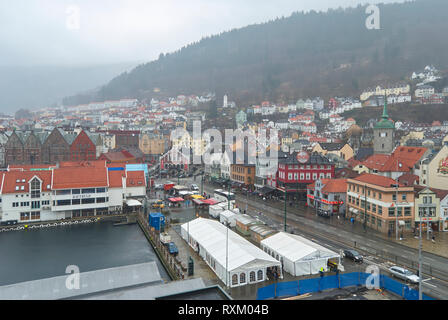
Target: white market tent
x,y
227,217
133,203
246,263
298,255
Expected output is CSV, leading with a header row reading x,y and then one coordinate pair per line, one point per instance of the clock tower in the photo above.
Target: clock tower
x,y
384,133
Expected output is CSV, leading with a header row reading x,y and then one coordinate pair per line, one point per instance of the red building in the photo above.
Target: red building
x,y
295,175
333,103
82,148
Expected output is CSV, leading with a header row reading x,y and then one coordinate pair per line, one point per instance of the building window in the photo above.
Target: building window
x,y
63,202
35,215
373,207
407,224
76,201
407,211
394,197
380,196
380,210
35,188
90,190
391,212
35,204
252,276
379,223
403,197
260,275
234,279
24,216
243,278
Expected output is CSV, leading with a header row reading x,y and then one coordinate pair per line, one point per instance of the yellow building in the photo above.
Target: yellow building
x,y
385,91
412,135
152,144
343,151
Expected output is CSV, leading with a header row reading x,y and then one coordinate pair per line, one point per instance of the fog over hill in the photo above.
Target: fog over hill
x,y
33,87
307,54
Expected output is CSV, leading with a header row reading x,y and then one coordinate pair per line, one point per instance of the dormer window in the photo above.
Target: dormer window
x,y
35,188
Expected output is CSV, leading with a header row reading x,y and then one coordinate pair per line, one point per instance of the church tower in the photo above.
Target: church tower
x,y
384,133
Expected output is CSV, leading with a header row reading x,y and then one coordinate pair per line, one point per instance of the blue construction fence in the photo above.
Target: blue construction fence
x,y
299,287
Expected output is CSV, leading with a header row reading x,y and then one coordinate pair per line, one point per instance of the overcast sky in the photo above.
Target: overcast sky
x,y
42,32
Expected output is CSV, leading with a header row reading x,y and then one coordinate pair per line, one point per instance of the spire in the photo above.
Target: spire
x,y
385,116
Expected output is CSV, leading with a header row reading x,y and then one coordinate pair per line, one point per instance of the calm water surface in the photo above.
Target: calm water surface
x,y
43,253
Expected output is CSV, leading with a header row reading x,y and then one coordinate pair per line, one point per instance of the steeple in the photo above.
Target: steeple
x,y
385,116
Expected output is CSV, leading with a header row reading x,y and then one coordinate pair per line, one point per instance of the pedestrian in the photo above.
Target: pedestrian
x,y
433,239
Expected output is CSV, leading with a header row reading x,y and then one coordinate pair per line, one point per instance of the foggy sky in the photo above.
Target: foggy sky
x,y
35,32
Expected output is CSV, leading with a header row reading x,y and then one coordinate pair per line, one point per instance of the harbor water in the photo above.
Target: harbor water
x,y
43,253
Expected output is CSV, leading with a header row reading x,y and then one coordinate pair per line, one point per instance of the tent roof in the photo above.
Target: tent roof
x,y
296,248
227,213
211,235
133,203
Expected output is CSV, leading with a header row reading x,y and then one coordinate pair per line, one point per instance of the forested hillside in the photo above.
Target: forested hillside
x,y
312,54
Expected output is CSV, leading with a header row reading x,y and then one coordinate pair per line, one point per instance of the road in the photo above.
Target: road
x,y
376,250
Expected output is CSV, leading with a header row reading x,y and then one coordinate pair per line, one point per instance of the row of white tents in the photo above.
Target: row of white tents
x,y
238,262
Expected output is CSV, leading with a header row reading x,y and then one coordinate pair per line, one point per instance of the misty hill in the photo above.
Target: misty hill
x,y
41,86
312,54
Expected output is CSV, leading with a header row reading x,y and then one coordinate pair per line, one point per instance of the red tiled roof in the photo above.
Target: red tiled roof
x,y
377,180
27,167
408,179
335,186
79,177
71,164
115,179
10,180
135,179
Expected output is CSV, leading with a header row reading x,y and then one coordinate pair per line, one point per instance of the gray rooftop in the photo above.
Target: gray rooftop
x,y
90,282
149,292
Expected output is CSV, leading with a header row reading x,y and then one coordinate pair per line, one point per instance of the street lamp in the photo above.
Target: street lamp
x,y
420,241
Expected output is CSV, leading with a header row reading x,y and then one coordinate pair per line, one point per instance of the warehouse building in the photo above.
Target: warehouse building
x,y
246,263
74,190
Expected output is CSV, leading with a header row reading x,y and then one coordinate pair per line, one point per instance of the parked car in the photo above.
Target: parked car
x,y
353,255
194,187
404,274
172,248
158,187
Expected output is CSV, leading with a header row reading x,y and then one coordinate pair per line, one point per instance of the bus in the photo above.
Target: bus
x,y
224,196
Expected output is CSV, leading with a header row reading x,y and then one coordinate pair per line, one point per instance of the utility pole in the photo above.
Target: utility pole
x,y
365,207
285,207
396,205
420,262
420,276
202,184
